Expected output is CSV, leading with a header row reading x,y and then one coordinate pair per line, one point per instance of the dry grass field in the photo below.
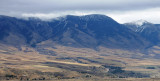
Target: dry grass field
x,y
132,79
61,63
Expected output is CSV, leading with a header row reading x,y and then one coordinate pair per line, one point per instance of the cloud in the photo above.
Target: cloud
x,y
44,6
121,10
150,15
46,16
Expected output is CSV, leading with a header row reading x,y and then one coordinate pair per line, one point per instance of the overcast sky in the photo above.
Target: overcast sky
x,y
120,10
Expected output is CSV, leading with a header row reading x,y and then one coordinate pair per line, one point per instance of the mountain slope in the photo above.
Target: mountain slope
x,y
149,31
19,31
99,30
78,31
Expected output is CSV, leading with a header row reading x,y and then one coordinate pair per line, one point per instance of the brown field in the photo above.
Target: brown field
x,y
130,79
71,64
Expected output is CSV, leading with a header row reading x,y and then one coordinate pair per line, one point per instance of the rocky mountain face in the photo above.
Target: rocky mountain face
x,y
149,31
18,31
88,31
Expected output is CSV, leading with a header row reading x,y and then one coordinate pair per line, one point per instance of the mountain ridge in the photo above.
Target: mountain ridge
x,y
79,31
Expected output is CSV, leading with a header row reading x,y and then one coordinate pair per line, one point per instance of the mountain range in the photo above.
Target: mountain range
x,y
73,47
89,31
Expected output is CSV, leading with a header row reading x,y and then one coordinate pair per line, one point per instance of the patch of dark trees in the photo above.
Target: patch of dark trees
x,y
118,72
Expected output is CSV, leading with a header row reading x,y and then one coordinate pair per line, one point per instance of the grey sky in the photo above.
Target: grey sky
x,y
121,10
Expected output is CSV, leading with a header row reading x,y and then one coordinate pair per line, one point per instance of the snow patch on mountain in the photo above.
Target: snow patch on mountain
x,y
139,23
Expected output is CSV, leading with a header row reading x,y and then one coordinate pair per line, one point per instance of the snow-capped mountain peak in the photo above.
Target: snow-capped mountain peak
x,y
139,23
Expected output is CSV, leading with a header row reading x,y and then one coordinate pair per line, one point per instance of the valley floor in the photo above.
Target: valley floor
x,y
129,79
62,63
